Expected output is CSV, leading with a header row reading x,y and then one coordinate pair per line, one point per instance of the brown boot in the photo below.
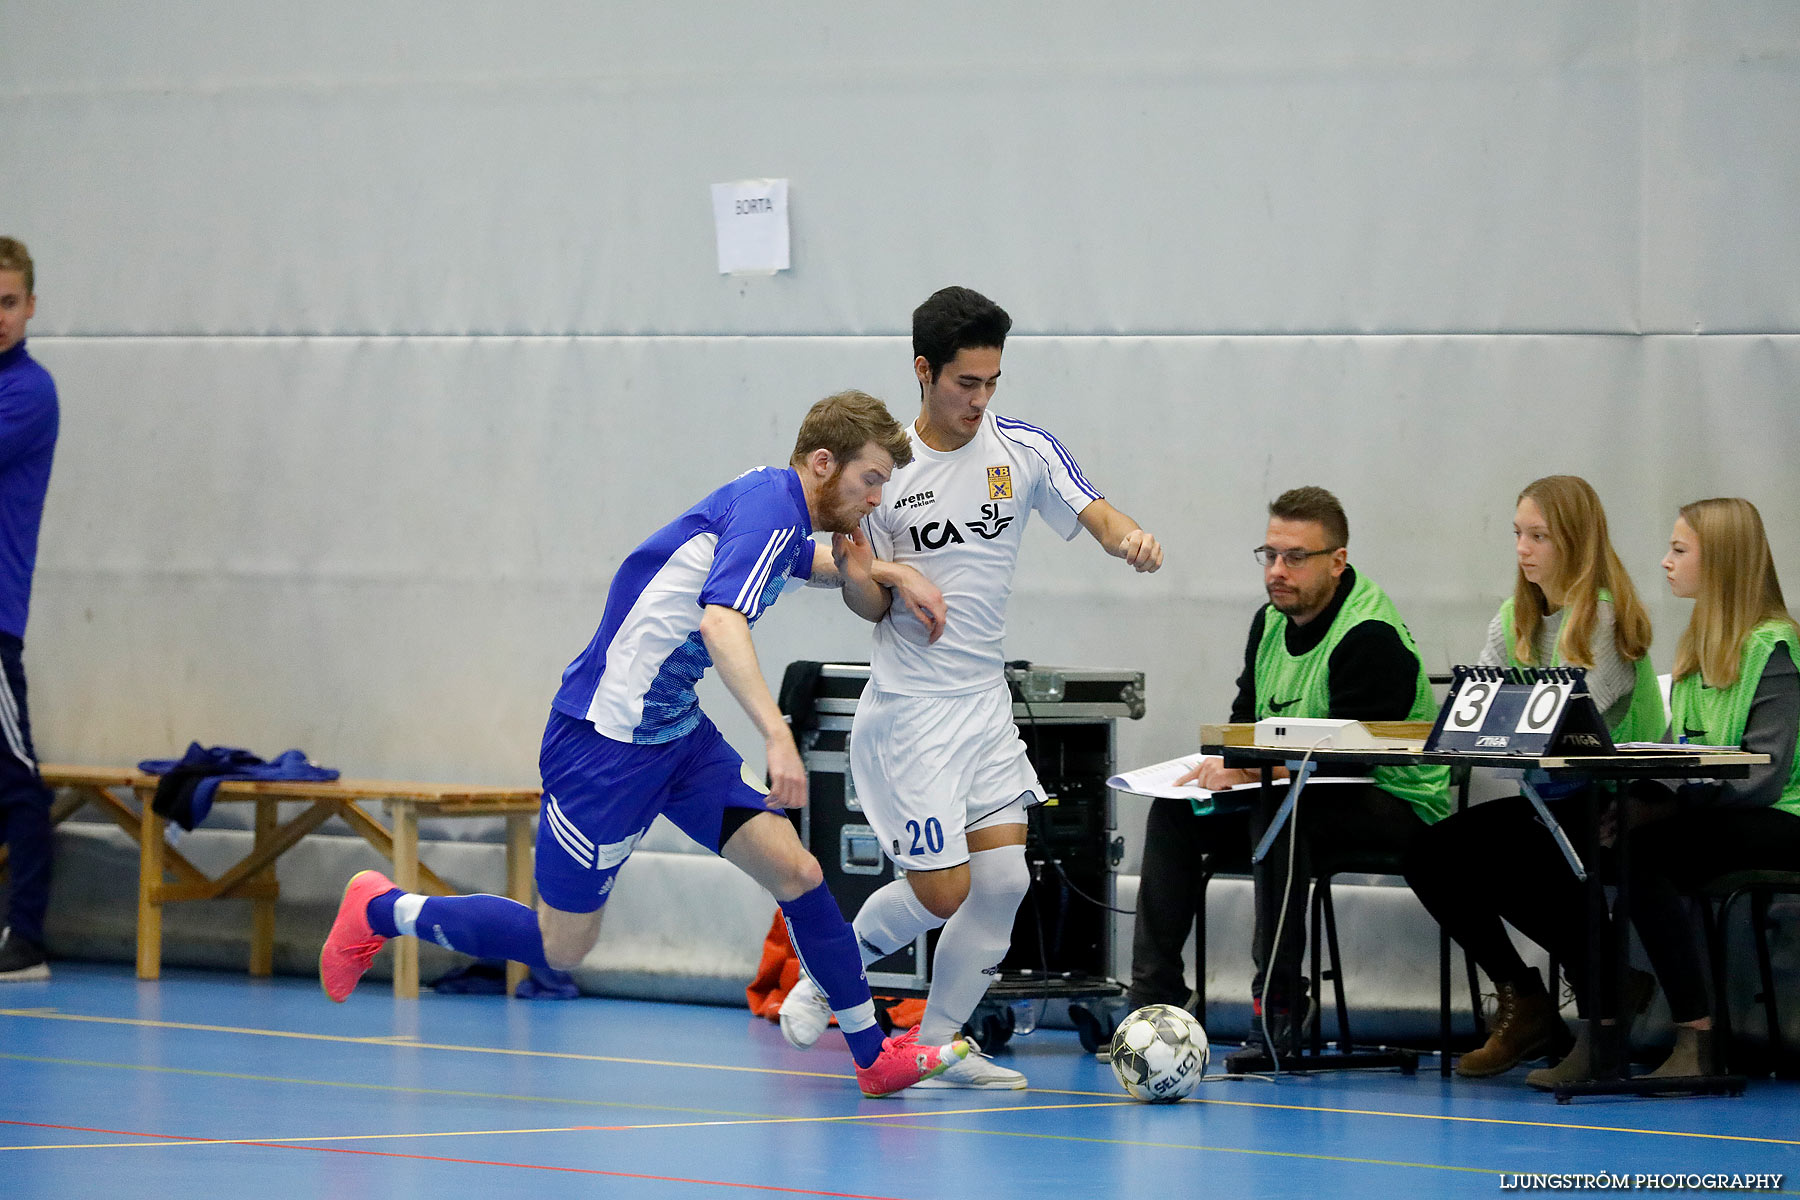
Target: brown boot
x,y
1523,1026
1576,1066
1692,1055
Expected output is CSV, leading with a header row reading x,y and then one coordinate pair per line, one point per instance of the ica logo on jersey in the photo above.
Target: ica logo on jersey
x,y
935,535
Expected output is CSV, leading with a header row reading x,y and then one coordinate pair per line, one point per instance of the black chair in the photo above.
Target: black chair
x,y
1232,858
1329,966
1717,897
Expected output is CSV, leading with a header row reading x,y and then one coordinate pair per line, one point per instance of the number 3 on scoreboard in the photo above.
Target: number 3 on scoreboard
x,y
1543,707
1469,709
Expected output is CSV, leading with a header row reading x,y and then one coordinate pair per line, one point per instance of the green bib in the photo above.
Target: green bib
x,y
1716,717
1645,719
1300,686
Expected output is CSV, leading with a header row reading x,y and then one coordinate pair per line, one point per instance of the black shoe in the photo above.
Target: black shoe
x,y
1096,1022
21,961
1255,1058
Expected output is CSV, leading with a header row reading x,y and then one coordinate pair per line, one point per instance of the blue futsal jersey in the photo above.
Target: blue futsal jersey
x,y
736,548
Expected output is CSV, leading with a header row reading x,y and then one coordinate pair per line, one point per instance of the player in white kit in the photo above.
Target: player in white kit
x,y
937,763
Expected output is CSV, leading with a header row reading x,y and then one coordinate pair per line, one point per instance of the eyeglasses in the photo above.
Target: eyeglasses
x,y
1266,555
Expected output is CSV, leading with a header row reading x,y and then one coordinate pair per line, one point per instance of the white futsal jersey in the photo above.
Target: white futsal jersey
x,y
958,517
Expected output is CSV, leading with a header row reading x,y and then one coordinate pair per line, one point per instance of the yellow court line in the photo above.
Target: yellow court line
x,y
390,1040
57,1015
155,1141
722,1117
908,1121
158,1143
1367,1112
923,1121
351,1085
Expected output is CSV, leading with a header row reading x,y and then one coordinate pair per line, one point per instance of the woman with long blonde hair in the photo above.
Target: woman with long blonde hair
x,y
1573,604
1735,684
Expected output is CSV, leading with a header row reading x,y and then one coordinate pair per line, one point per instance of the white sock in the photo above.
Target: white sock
x,y
890,919
406,912
974,941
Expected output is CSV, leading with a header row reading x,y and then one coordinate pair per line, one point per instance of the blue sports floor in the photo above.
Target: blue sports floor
x,y
211,1084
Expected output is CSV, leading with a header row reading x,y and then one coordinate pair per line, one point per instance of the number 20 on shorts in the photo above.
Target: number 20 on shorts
x,y
932,833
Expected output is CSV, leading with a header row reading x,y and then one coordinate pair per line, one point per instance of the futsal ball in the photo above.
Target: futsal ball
x,y
1159,1053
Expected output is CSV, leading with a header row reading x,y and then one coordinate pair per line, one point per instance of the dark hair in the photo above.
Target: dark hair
x,y
953,319
845,423
1314,504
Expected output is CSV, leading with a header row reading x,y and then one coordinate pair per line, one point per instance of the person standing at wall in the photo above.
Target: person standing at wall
x,y
28,426
936,760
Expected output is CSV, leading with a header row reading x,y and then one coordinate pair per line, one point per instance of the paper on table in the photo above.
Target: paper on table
x,y
1675,747
1159,780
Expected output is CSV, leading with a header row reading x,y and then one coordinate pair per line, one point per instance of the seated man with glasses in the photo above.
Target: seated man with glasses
x,y
1329,643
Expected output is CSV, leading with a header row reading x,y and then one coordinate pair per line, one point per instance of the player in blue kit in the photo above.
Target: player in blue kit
x,y
626,740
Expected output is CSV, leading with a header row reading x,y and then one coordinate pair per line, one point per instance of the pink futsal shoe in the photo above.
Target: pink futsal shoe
x,y
904,1062
351,944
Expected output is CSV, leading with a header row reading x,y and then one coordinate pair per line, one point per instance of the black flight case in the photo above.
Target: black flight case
x,y
1062,939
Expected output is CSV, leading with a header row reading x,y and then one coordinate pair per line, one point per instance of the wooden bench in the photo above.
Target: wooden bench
x,y
253,877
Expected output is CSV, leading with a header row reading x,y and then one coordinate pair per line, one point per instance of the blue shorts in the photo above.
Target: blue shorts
x,y
600,796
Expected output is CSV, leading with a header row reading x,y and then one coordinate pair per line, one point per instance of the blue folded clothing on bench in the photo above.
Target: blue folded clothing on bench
x,y
185,793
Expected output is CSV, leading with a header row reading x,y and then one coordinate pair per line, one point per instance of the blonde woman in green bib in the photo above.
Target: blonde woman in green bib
x,y
1573,604
1735,685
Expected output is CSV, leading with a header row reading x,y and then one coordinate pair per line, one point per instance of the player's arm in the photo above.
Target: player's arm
x,y
825,573
854,561
1121,537
726,632
871,584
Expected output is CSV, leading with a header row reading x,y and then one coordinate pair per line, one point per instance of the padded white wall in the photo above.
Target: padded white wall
x,y
384,331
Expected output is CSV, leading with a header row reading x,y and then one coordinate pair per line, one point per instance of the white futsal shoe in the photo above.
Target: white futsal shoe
x,y
975,1071
805,1015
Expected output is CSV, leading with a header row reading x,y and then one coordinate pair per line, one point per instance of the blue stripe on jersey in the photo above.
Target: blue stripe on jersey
x,y
736,548
1002,424
670,707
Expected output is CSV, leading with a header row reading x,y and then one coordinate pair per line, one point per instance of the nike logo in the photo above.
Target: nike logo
x,y
1276,706
1692,735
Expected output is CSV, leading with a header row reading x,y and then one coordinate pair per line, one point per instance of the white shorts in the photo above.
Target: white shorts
x,y
927,769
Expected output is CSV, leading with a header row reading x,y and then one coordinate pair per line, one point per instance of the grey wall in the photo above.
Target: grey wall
x,y
384,331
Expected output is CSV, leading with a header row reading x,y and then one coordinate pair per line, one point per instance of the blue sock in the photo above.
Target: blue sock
x,y
381,913
483,926
827,949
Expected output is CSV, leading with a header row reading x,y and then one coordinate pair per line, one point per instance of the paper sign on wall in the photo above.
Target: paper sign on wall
x,y
751,216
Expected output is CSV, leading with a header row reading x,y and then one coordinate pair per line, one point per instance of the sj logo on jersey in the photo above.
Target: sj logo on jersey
x,y
935,535
1000,483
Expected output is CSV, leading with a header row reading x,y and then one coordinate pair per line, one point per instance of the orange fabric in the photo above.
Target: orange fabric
x,y
779,970
906,1013
776,973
